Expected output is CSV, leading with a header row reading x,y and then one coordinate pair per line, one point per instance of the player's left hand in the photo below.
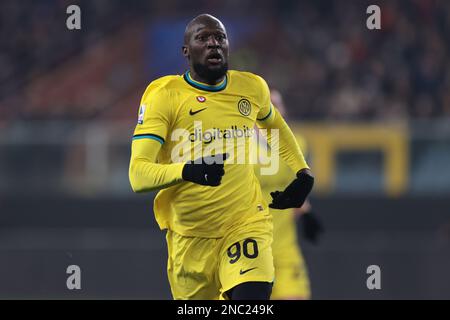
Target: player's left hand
x,y
295,193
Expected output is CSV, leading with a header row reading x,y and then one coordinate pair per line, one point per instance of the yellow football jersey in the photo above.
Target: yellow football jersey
x,y
177,107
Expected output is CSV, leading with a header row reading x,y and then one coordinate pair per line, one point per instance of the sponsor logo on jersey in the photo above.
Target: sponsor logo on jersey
x,y
245,271
195,112
244,107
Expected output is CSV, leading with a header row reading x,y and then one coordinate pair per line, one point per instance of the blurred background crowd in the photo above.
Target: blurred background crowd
x,y
373,106
320,54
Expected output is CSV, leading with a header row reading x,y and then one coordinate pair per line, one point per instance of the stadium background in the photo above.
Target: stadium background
x,y
374,106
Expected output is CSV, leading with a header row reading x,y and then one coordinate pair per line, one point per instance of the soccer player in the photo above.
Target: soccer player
x,y
219,229
291,274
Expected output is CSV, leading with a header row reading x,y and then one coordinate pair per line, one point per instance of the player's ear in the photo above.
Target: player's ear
x,y
185,51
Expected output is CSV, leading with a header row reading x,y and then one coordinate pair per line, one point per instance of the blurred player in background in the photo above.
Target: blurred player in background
x,y
219,234
291,274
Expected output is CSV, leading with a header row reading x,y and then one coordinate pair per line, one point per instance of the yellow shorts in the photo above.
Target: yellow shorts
x,y
204,268
291,274
291,281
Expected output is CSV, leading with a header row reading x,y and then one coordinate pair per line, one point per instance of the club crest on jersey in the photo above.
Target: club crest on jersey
x,y
141,114
201,99
244,107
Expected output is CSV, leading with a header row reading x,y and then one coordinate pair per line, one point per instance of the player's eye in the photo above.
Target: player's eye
x,y
220,37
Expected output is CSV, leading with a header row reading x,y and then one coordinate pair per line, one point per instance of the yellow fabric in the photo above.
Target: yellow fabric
x,y
291,283
287,145
291,275
171,103
144,173
201,268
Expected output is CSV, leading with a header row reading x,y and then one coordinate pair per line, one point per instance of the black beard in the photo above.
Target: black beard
x,y
211,76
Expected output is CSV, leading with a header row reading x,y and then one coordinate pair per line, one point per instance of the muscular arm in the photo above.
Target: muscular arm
x,y
145,173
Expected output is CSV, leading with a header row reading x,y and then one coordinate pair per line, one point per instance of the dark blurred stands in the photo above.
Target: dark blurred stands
x,y
49,72
318,53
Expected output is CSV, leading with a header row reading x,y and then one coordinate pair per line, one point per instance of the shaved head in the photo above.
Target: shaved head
x,y
206,49
202,20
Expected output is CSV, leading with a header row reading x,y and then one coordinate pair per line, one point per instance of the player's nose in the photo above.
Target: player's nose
x,y
212,43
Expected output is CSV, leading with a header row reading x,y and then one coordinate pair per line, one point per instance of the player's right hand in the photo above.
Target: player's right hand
x,y
207,171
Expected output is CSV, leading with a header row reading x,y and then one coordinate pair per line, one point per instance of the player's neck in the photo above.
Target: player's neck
x,y
198,78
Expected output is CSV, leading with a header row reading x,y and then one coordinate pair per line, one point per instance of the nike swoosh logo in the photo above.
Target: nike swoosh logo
x,y
195,112
245,271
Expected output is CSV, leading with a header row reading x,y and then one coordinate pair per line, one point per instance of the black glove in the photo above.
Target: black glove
x,y
295,193
206,171
311,226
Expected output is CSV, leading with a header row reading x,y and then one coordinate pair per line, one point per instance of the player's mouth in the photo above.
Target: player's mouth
x,y
214,58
